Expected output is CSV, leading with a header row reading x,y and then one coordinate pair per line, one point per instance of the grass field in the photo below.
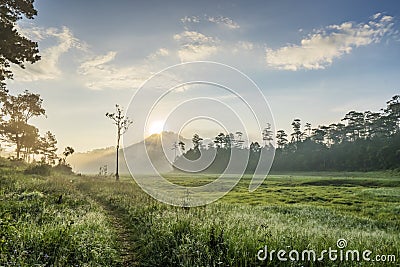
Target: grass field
x,y
100,222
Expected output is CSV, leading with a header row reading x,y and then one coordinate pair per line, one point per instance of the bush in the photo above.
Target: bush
x,y
5,162
63,168
39,169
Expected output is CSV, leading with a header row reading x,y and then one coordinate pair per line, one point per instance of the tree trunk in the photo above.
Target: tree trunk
x,y
18,145
116,171
117,165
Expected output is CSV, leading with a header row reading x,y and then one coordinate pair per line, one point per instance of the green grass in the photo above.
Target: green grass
x,y
37,230
289,211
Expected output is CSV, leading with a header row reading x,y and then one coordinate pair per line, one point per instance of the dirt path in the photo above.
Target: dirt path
x,y
122,228
124,235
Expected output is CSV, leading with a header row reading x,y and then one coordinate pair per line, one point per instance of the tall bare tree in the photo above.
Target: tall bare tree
x,y
122,122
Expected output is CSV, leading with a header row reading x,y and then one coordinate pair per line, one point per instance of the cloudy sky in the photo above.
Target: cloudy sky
x,y
313,60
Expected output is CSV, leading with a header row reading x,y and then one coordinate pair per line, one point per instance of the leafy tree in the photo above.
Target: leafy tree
x,y
67,152
318,134
281,138
220,140
122,123
15,48
196,140
355,125
48,148
228,141
255,147
30,141
372,127
23,106
267,135
297,134
336,133
238,141
392,112
182,145
18,110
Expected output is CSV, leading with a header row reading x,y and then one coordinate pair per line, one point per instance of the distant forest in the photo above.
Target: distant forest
x,y
361,141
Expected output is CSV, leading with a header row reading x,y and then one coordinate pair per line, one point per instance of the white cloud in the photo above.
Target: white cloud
x,y
195,46
220,20
224,21
192,19
97,61
48,67
103,72
99,72
244,45
161,52
377,15
318,50
194,37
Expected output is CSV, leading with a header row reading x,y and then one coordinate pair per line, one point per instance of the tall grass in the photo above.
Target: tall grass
x,y
224,234
40,228
47,222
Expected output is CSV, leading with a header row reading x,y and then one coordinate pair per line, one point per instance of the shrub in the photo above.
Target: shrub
x,y
5,162
39,169
63,168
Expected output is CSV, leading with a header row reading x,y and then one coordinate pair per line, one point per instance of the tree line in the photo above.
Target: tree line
x,y
16,111
361,141
17,131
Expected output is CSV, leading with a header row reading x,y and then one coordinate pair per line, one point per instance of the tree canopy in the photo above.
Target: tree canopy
x,y
16,130
14,47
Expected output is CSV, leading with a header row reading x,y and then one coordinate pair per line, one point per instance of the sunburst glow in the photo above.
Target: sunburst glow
x,y
156,127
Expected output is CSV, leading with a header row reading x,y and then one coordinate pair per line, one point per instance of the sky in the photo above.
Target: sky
x,y
313,60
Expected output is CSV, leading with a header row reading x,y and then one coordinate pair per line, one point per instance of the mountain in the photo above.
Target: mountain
x,y
158,146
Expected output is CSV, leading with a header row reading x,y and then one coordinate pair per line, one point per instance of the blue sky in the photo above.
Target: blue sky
x,y
313,60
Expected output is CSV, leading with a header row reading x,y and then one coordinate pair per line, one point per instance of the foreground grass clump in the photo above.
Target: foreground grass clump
x,y
45,221
230,234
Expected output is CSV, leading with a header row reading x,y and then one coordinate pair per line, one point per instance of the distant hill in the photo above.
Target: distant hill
x,y
91,161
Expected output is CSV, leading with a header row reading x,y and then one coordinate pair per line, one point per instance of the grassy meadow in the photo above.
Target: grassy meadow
x,y
100,222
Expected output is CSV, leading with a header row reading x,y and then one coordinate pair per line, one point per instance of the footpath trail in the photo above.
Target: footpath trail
x,y
124,234
120,224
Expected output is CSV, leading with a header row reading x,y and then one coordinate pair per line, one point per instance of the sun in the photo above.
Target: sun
x,y
156,127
